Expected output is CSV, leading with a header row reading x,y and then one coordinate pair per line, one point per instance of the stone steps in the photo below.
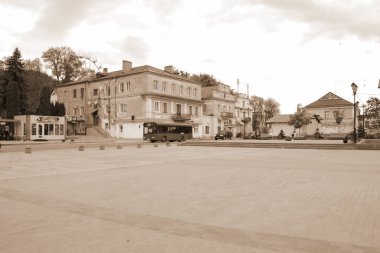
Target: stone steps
x,y
342,146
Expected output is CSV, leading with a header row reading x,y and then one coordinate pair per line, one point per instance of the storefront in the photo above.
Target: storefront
x,y
35,127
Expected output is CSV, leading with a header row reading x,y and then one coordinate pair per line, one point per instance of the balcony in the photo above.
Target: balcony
x,y
181,117
226,115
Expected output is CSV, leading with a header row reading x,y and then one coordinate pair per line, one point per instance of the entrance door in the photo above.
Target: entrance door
x,y
40,130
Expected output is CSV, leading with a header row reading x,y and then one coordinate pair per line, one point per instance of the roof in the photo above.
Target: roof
x,y
279,118
135,70
329,100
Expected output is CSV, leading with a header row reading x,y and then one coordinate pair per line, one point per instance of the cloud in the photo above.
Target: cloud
x,y
133,48
332,19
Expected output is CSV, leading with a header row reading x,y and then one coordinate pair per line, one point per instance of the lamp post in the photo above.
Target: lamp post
x,y
354,90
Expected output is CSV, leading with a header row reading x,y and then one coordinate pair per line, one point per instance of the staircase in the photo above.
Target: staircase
x,y
285,145
97,132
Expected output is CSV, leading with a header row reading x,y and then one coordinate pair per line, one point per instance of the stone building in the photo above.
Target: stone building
x,y
119,102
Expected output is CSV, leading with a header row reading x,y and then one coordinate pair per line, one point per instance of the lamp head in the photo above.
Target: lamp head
x,y
354,87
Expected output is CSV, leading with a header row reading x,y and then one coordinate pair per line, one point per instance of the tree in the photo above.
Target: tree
x,y
205,79
63,62
258,112
33,65
44,107
299,118
57,109
13,103
14,73
271,108
181,73
372,113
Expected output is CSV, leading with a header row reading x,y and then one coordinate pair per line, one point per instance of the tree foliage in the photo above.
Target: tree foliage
x,y
44,105
14,75
57,109
33,65
373,109
271,108
13,104
299,119
63,62
206,80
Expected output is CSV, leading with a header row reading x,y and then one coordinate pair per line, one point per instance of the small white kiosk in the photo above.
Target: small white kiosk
x,y
36,127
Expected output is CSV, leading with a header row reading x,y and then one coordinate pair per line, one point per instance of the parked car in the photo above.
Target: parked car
x,y
223,135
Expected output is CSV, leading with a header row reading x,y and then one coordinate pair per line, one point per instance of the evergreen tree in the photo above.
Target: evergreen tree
x,y
57,109
44,107
14,70
13,100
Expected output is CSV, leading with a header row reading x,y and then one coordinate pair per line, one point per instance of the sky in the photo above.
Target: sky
x,y
294,51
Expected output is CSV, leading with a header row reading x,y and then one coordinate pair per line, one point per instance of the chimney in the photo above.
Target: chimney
x,y
127,66
169,69
105,70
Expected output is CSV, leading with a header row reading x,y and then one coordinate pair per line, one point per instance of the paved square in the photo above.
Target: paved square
x,y
190,199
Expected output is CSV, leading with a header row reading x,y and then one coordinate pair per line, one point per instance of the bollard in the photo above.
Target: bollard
x,y
28,150
119,147
81,148
155,145
168,144
102,147
138,145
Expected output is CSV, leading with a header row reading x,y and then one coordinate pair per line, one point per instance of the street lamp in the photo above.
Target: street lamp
x,y
354,88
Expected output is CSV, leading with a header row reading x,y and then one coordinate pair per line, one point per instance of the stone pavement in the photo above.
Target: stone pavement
x,y
190,199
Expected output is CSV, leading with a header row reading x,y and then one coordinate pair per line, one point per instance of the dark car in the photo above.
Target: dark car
x,y
223,135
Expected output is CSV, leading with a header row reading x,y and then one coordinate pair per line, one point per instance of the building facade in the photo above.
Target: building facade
x,y
243,115
218,110
120,102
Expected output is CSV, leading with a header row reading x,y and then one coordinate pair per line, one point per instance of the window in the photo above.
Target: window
x,y
108,91
121,87
81,112
75,111
219,108
75,93
196,130
123,108
190,110
56,129
207,130
34,129
180,90
96,91
165,107
61,129
81,93
243,103
195,93
121,128
173,88
164,87
128,86
157,106
155,85
179,108
196,111
66,93
188,90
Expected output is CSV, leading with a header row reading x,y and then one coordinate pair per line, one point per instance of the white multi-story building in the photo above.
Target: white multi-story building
x,y
243,113
218,109
120,102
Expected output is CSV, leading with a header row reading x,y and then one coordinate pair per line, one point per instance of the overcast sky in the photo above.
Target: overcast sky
x,y
294,51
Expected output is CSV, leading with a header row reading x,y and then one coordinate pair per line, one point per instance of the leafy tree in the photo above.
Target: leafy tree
x,y
14,70
271,108
205,79
181,73
299,118
373,114
44,107
258,112
33,65
64,63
